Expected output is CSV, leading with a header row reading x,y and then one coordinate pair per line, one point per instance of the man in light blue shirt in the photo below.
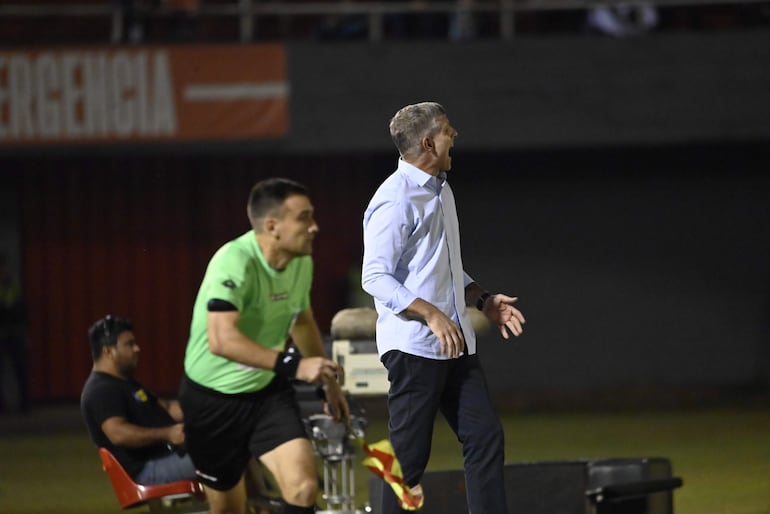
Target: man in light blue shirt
x,y
413,269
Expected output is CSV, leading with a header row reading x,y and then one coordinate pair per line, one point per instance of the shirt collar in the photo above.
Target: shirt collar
x,y
420,177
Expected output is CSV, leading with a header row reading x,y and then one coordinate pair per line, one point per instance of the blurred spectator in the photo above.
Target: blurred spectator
x,y
13,341
138,17
134,18
343,26
623,20
417,25
462,23
183,15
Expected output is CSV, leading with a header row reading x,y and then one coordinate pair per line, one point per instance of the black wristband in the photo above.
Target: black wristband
x,y
482,299
286,364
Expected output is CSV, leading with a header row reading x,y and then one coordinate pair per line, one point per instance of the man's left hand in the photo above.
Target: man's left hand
x,y
500,310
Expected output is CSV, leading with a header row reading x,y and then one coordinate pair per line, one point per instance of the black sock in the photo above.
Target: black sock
x,y
294,509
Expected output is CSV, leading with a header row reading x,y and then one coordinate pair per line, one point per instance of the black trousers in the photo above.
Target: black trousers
x,y
421,387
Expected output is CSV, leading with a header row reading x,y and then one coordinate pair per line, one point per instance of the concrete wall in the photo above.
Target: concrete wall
x,y
634,270
537,92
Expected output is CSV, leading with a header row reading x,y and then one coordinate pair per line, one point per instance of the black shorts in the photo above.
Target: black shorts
x,y
223,431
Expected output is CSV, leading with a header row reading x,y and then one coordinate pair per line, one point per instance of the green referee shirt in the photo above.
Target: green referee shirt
x,y
268,301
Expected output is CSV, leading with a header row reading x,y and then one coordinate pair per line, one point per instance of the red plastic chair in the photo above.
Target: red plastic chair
x,y
130,494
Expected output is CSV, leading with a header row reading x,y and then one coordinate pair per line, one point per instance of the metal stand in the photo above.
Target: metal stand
x,y
331,440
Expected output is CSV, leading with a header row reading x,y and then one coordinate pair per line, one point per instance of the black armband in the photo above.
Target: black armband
x,y
287,363
217,305
482,300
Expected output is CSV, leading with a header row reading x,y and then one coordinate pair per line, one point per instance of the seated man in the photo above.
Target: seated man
x,y
141,430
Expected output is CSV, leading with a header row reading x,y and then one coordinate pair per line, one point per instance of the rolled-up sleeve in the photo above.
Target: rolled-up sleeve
x,y
386,230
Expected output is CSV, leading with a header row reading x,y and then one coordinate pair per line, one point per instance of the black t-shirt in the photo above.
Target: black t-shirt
x,y
105,396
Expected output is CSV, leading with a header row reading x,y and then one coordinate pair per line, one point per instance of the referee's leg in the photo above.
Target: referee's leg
x,y
231,501
293,466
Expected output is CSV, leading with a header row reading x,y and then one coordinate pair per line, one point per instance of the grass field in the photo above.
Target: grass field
x,y
722,455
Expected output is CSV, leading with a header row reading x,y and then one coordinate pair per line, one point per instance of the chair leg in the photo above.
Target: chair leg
x,y
188,505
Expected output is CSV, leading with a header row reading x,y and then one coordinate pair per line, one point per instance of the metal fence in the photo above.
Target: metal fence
x,y
247,12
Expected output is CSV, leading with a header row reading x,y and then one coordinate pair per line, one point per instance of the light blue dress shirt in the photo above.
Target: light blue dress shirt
x,y
412,250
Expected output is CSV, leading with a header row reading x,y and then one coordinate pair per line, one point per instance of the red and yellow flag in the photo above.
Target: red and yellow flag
x,y
381,460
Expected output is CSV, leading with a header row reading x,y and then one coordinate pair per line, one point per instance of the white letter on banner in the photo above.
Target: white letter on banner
x,y
72,94
46,90
95,90
140,87
122,105
19,87
163,96
3,97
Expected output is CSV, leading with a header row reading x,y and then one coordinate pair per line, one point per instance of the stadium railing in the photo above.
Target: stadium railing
x,y
248,11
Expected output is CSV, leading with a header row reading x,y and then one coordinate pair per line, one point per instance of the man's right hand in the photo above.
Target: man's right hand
x,y
449,335
317,369
176,434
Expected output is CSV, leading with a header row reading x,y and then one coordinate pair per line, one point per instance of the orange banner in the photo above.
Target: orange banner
x,y
184,93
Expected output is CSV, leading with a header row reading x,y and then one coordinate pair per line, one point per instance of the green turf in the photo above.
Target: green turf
x,y
722,455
